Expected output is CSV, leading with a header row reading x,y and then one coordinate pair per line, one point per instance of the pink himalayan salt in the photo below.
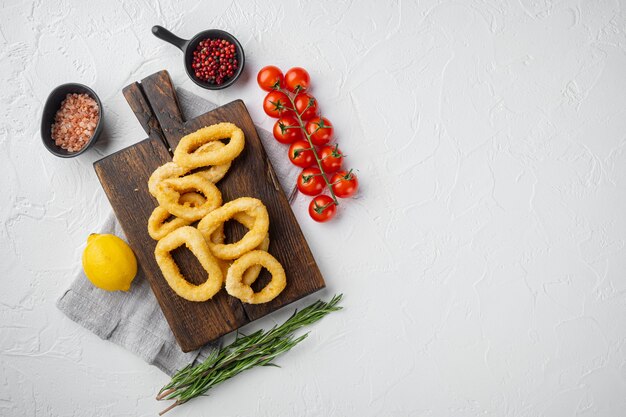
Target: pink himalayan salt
x,y
75,122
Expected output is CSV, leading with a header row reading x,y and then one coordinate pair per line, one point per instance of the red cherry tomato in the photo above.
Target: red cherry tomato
x,y
300,154
344,184
306,106
287,130
331,158
310,181
322,208
276,104
320,130
270,77
297,80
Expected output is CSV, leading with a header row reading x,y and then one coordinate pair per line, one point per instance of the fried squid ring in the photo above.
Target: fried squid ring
x,y
189,155
192,199
253,272
218,236
194,240
216,172
236,287
165,171
253,238
172,170
169,192
159,227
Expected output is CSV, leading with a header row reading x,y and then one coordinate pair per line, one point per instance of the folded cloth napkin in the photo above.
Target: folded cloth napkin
x,y
134,319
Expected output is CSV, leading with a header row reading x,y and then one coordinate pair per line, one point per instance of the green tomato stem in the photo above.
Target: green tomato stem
x,y
308,138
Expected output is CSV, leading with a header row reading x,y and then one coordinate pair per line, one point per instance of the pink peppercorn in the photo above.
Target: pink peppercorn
x,y
214,61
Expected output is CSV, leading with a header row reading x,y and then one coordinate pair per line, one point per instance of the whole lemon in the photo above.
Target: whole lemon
x,y
109,262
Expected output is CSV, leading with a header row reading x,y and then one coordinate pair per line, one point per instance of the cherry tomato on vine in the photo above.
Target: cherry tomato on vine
x,y
310,181
276,104
287,130
320,129
331,158
322,208
306,106
344,184
300,154
297,80
270,77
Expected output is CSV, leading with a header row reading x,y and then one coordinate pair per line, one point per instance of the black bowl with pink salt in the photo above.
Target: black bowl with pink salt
x,y
71,120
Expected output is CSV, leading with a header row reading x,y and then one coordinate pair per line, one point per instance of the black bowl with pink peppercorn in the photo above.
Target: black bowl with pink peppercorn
x,y
214,59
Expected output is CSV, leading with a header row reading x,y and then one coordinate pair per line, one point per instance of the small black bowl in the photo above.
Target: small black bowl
x,y
188,46
53,104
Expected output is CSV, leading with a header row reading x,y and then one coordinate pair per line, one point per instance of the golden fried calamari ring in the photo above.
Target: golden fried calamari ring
x,y
192,199
218,236
253,238
253,272
194,240
169,192
189,155
159,227
248,222
172,170
158,224
165,171
236,288
215,172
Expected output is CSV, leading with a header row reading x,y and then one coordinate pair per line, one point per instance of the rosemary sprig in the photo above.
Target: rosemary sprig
x,y
245,352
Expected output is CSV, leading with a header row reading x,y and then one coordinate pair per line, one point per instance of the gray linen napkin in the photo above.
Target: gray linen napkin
x,y
134,319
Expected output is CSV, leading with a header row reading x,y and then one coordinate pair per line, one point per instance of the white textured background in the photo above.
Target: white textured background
x,y
483,262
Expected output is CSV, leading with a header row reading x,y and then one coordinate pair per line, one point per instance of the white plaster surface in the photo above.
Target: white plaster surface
x,y
483,263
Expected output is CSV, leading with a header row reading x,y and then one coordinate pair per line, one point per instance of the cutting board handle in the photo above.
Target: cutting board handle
x,y
161,95
139,104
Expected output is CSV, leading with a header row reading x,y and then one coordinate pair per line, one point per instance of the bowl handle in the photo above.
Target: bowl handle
x,y
164,34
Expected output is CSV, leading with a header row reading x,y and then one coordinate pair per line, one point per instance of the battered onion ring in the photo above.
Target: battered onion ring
x,y
170,190
236,288
253,238
193,239
218,236
189,155
158,228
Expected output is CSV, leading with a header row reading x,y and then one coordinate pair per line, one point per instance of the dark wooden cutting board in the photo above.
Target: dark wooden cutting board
x,y
124,177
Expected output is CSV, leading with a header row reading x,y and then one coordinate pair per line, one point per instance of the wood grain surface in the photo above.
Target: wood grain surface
x,y
124,177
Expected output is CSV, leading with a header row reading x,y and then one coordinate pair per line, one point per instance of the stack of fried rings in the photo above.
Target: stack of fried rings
x,y
186,192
